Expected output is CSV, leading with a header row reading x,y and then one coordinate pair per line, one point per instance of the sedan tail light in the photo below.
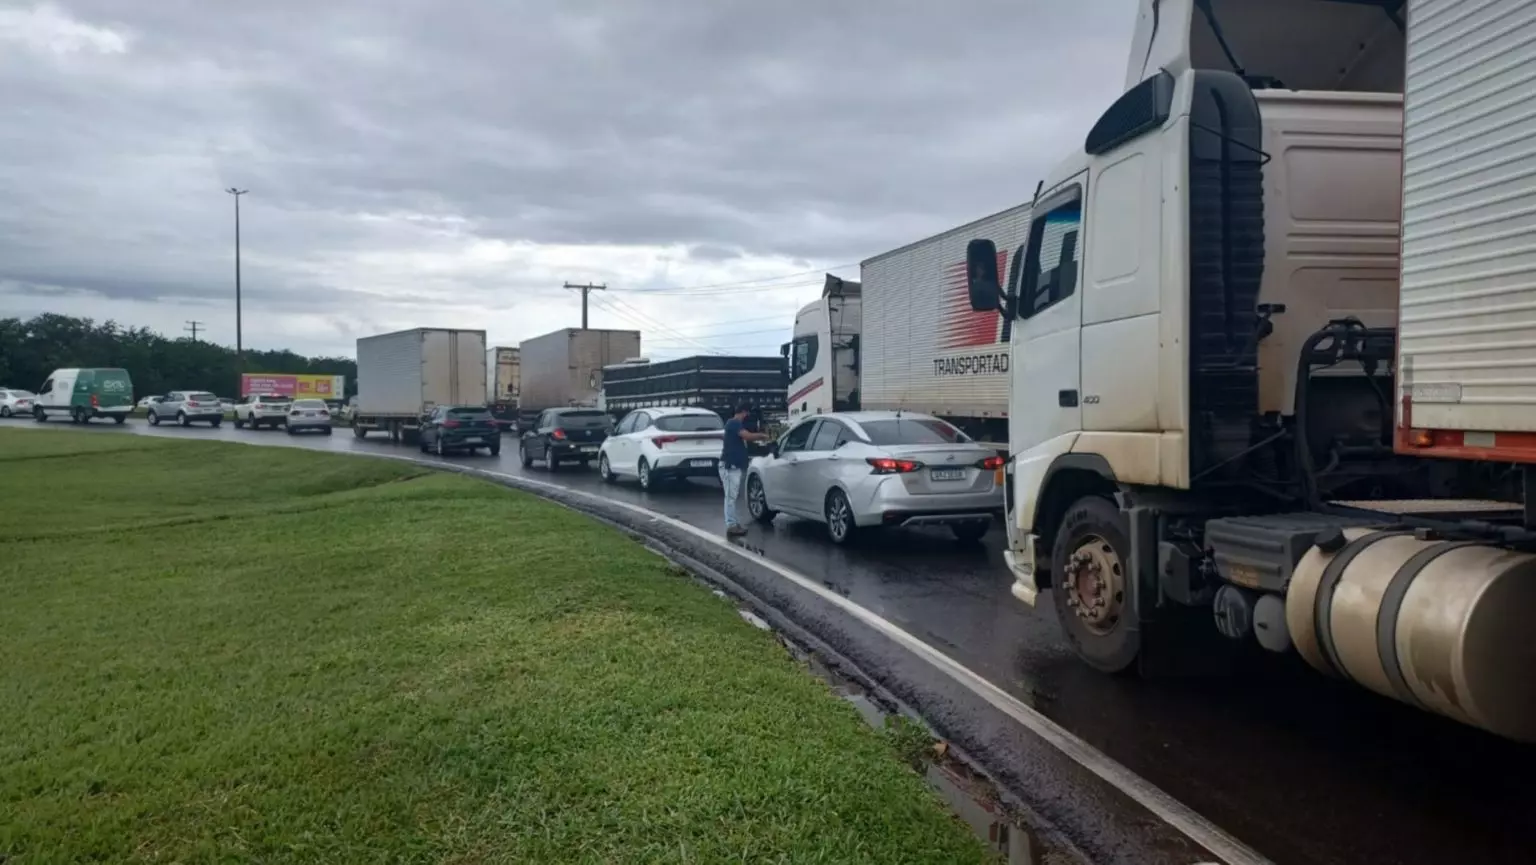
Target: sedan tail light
x,y
451,424
663,441
294,413
991,463
889,466
557,433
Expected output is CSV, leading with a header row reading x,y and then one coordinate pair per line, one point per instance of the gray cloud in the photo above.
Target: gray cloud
x,y
732,131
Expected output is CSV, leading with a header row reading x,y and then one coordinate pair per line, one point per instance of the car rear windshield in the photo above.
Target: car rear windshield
x,y
469,414
912,431
310,404
690,423
273,399
581,420
201,397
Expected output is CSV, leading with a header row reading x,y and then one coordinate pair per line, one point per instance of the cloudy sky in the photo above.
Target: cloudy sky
x,y
453,163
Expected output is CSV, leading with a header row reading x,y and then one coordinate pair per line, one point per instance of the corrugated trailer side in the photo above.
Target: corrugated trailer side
x,y
389,374
1467,309
923,348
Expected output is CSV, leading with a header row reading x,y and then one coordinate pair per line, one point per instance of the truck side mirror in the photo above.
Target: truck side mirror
x,y
981,276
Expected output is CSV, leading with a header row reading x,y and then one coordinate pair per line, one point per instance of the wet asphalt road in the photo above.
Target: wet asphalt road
x,y
1300,768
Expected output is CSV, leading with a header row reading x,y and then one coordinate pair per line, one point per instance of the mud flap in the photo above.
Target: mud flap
x,y
1176,641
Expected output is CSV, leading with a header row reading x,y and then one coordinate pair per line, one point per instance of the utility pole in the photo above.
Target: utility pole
x,y
193,326
239,341
585,290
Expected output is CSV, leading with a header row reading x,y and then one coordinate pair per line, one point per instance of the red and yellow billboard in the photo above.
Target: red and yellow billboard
x,y
279,384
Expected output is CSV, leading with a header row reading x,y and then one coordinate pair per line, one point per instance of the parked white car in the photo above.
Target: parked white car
x,y
261,410
656,444
16,403
862,470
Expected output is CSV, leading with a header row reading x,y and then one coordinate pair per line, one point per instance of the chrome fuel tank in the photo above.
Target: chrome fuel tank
x,y
1443,625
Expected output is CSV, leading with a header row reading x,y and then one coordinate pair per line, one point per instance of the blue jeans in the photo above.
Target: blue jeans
x,y
730,482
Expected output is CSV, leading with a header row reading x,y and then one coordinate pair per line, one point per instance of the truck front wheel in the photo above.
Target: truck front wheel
x,y
1093,584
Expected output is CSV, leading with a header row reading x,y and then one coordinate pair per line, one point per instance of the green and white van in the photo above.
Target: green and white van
x,y
83,394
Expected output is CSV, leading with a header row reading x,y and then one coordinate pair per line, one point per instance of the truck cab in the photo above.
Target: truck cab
x,y
823,356
1204,424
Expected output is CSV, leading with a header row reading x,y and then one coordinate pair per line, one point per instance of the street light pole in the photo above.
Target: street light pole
x,y
239,341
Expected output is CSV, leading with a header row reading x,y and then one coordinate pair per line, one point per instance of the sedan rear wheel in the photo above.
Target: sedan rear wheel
x,y
840,525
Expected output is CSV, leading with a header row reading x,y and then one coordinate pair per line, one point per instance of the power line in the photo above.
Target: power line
x,y
193,326
643,321
740,283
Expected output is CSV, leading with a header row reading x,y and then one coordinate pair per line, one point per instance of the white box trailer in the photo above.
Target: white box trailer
x,y
403,375
923,348
1467,330
565,367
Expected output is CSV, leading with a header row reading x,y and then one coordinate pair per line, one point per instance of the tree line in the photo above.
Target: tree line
x,y
32,349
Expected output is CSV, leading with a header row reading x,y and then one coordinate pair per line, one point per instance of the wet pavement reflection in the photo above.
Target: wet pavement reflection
x,y
1302,768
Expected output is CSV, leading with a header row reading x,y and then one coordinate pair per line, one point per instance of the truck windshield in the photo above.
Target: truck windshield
x,y
912,431
690,423
581,420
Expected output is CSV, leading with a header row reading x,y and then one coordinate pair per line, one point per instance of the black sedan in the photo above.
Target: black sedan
x,y
455,427
565,435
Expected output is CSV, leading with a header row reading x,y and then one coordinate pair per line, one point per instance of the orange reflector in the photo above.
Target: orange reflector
x,y
997,477
1420,438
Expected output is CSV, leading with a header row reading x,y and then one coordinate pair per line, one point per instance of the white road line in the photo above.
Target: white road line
x,y
1143,792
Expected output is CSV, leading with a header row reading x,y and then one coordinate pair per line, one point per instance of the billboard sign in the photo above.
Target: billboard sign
x,y
278,384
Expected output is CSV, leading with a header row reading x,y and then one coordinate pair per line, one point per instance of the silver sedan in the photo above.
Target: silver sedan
x,y
861,470
308,414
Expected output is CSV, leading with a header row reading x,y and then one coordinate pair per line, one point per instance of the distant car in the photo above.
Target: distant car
x,y
451,428
653,445
308,415
148,401
505,414
226,404
16,403
85,394
260,410
187,407
862,470
564,434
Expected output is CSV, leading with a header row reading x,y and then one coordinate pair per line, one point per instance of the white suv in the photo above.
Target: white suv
x,y
260,410
655,444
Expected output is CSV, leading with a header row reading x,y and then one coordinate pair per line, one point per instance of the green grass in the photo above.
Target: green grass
x,y
214,652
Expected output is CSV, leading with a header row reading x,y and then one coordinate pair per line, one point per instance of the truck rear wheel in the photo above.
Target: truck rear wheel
x,y
1093,585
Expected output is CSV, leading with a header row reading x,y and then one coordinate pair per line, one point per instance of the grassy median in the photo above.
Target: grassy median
x,y
221,652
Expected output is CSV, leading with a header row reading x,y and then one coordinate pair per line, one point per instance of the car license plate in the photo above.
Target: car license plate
x,y
472,440
702,464
309,414
589,449
947,474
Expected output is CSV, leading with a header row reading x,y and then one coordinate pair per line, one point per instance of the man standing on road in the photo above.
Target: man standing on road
x,y
733,464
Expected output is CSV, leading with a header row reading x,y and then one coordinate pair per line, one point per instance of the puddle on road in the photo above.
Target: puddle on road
x,y
972,797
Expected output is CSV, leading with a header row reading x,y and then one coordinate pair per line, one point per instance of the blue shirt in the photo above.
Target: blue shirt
x,y
735,453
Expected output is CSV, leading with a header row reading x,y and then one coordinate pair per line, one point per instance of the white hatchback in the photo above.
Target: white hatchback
x,y
656,444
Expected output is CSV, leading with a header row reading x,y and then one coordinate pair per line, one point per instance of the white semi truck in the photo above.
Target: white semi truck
x,y
1274,351
905,337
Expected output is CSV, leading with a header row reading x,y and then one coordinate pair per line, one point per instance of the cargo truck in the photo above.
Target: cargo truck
x,y
1275,352
905,337
716,382
502,377
565,367
402,376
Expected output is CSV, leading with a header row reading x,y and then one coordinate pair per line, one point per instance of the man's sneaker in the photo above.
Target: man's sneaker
x,y
735,531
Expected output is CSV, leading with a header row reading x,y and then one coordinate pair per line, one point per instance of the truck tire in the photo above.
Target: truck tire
x,y
1092,588
358,432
